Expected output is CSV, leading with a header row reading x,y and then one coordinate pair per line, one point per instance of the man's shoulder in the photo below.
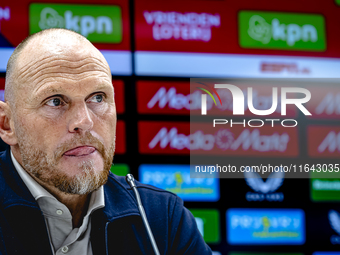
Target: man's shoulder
x,y
153,198
2,158
3,166
143,189
173,226
12,188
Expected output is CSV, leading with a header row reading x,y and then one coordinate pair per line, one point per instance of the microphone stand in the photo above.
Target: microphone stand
x,y
131,181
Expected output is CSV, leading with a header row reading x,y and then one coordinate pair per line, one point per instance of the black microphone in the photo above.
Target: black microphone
x,y
131,181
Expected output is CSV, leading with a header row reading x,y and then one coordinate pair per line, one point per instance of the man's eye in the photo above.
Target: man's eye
x,y
97,98
54,102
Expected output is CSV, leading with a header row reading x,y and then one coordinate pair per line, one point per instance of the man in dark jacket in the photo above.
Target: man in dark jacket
x,y
57,195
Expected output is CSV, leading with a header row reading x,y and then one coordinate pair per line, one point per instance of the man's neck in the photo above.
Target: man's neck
x,y
77,204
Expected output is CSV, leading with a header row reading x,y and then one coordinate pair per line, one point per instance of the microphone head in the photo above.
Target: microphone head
x,y
130,180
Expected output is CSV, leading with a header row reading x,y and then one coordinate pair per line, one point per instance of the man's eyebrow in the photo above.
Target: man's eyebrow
x,y
102,86
46,92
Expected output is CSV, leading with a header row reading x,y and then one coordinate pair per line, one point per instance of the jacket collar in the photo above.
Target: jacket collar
x,y
13,189
119,198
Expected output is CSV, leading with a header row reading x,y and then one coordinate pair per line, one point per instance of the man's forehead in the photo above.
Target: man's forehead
x,y
65,47
42,59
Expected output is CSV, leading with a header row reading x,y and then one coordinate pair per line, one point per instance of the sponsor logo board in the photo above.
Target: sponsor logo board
x,y
324,141
206,28
208,223
202,138
175,98
265,226
264,190
288,31
325,189
325,102
178,27
176,179
106,25
164,97
181,26
334,221
325,185
98,23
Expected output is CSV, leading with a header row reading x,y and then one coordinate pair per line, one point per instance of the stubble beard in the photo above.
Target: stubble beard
x,y
43,166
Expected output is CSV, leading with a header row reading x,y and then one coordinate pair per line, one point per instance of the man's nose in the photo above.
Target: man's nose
x,y
80,118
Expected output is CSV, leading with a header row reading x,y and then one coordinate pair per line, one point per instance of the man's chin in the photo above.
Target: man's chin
x,y
80,176
81,183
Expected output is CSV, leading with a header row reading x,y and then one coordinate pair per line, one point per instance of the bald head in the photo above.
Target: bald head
x,y
59,116
50,44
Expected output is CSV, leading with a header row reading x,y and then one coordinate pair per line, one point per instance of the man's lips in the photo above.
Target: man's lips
x,y
80,151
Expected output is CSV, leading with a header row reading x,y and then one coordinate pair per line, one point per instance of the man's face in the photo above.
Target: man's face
x,y
65,116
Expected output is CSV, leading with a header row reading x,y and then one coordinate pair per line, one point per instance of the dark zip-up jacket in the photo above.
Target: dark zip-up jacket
x,y
115,229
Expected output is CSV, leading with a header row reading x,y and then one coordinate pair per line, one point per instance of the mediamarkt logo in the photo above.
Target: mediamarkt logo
x,y
239,102
330,143
171,98
224,140
329,105
324,141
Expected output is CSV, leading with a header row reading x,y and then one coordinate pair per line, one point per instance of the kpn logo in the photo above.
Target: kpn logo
x,y
287,31
98,23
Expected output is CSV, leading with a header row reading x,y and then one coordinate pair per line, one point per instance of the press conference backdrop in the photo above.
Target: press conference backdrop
x,y
155,47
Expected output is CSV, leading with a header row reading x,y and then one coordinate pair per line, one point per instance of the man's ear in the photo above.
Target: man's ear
x,y
7,133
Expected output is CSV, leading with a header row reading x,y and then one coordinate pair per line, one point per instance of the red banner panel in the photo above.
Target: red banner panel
x,y
214,27
324,141
19,19
2,83
119,95
164,97
120,137
202,138
325,102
